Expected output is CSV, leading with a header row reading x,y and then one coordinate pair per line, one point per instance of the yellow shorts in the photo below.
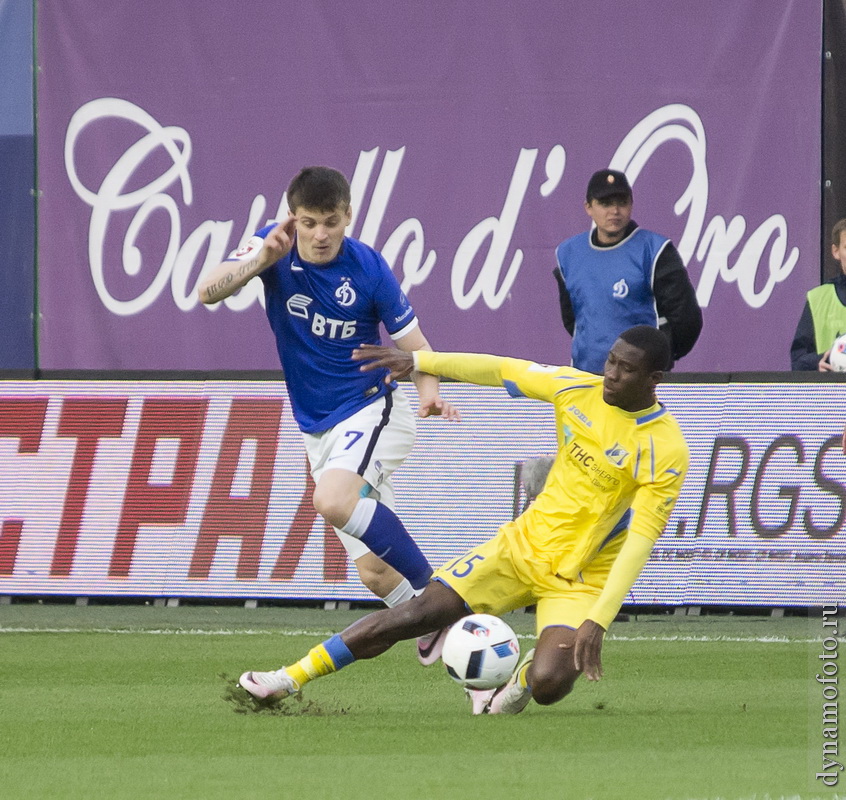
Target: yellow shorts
x,y
500,576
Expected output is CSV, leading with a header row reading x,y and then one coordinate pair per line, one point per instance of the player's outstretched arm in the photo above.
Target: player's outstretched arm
x,y
399,361
374,356
428,386
478,368
226,278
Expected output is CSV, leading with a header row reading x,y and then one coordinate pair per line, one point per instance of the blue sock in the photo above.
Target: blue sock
x,y
381,530
338,651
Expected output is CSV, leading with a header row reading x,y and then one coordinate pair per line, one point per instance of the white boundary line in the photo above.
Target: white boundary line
x,y
253,632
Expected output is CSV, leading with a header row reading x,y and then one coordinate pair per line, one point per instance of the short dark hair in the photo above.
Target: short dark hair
x,y
321,188
655,345
838,228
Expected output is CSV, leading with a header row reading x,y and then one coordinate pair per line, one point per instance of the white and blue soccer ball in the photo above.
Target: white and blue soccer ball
x,y
481,651
837,356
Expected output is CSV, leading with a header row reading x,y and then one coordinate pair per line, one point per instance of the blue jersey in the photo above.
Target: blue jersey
x,y
319,314
610,289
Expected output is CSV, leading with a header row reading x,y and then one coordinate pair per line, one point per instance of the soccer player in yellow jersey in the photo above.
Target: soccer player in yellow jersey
x,y
575,552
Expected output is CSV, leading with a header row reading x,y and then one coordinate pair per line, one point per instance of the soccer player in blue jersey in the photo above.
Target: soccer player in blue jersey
x,y
574,552
325,295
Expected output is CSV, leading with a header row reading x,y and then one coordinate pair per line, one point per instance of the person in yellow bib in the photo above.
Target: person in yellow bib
x,y
824,316
575,552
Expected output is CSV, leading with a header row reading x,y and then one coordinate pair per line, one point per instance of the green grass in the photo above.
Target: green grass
x,y
119,708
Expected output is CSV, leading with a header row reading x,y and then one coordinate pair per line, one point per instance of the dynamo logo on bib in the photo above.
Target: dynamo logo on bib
x,y
345,294
621,289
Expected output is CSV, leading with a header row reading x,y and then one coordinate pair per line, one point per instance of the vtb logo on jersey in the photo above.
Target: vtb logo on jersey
x,y
298,304
345,294
621,289
617,454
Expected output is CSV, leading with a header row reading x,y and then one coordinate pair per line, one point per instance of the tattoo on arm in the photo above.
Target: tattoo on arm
x,y
231,277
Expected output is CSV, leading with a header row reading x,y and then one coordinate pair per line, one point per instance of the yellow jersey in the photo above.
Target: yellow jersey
x,y
614,469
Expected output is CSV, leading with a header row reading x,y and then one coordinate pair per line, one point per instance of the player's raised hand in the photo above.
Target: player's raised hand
x,y
400,363
587,652
278,243
437,406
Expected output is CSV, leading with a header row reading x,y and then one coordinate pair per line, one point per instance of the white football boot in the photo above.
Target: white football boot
x,y
512,698
479,699
430,646
262,685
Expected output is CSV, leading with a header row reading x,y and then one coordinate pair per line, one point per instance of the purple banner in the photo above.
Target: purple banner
x,y
468,130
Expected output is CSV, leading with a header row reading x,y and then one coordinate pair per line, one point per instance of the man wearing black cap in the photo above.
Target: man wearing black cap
x,y
619,275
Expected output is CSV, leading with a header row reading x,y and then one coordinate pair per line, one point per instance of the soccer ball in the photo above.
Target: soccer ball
x,y
837,356
481,651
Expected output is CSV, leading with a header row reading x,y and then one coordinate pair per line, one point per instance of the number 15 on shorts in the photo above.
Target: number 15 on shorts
x,y
463,565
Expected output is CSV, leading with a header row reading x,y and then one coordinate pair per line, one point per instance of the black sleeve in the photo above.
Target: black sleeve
x,y
803,349
567,315
675,300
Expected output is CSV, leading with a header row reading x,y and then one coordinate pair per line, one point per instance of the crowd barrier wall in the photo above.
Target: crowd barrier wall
x,y
199,488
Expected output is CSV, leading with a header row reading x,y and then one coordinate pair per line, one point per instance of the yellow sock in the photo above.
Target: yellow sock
x,y
523,675
315,665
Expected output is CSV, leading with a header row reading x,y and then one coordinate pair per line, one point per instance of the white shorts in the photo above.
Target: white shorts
x,y
372,443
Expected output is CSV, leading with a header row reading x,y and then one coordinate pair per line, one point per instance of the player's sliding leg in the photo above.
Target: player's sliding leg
x,y
328,657
546,674
437,607
430,645
377,576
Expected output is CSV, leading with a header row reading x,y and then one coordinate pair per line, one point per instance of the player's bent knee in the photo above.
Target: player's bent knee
x,y
550,687
334,508
547,695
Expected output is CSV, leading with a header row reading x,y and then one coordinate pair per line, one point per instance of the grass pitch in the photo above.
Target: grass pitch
x,y
128,702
